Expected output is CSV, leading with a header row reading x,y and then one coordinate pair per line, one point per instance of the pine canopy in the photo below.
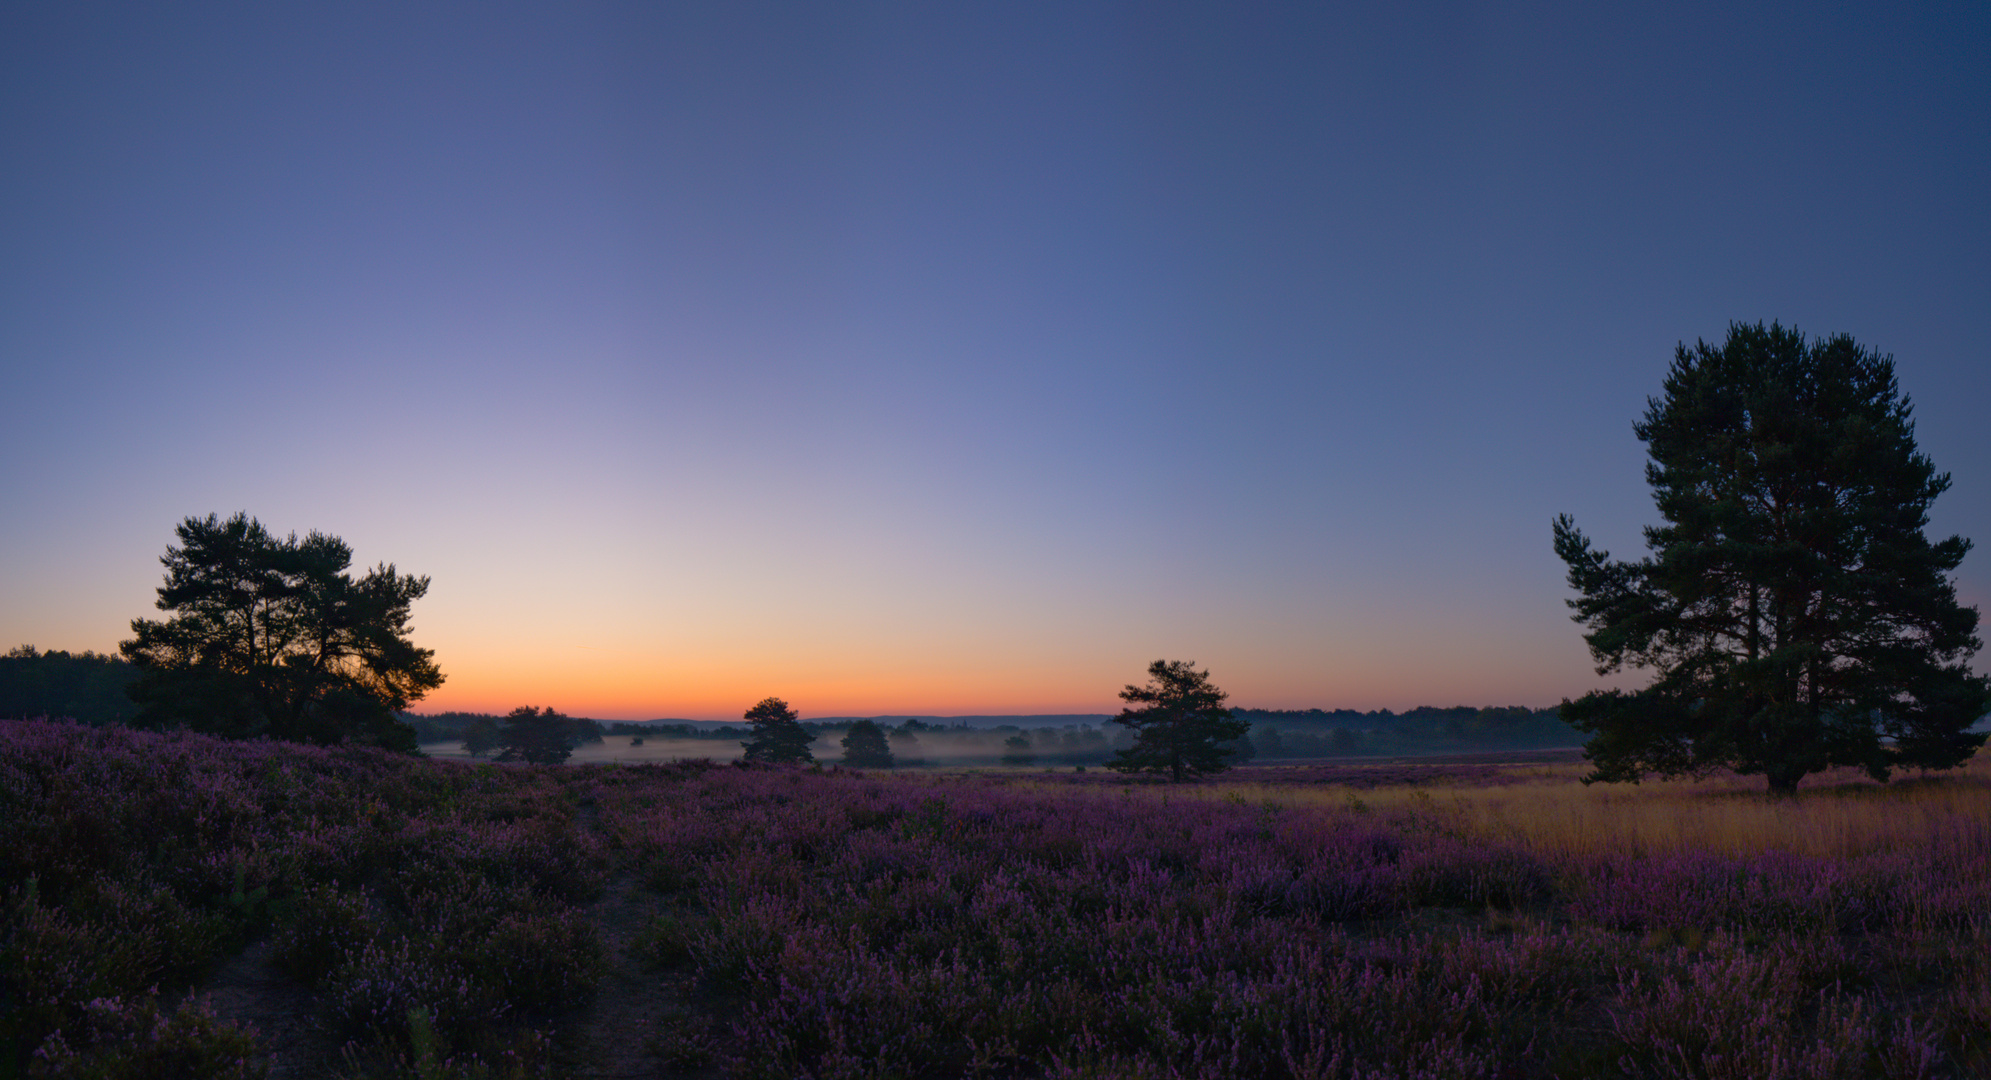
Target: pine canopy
x,y
1793,612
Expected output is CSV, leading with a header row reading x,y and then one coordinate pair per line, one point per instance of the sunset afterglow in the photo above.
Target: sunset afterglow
x,y
946,359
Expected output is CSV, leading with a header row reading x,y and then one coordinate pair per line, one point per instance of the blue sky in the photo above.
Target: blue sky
x,y
948,358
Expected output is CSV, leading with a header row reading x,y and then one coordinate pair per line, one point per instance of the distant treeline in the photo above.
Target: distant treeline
x,y
656,730
453,726
1276,734
1309,733
87,687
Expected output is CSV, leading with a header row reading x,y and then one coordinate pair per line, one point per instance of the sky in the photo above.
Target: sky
x,y
948,358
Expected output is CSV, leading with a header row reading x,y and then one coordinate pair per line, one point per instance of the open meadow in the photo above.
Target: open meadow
x,y
181,905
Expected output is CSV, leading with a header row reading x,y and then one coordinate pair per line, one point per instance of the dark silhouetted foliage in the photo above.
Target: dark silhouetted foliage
x,y
1016,751
274,637
1794,614
87,687
445,726
864,747
1426,729
778,736
448,727
540,736
1180,725
664,729
481,736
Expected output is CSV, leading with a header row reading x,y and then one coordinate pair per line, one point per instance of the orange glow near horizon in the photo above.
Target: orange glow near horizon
x,y
725,692
597,684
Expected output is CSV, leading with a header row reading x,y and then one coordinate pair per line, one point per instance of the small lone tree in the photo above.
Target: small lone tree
x,y
1180,725
1794,614
480,736
778,736
864,747
538,736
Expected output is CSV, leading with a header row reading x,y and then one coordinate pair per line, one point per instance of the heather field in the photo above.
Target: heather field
x,y
176,905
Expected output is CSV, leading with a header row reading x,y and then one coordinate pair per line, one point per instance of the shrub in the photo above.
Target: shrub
x,y
328,927
131,1039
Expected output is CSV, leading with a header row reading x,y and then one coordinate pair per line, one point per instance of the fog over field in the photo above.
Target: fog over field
x,y
1063,740
945,748
616,750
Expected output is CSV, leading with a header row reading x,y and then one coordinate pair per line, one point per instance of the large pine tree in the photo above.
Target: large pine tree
x,y
1793,612
275,637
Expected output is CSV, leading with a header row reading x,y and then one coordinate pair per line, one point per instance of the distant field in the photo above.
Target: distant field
x,y
939,751
616,749
382,916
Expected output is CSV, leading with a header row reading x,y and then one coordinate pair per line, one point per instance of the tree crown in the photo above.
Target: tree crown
x,y
538,736
275,637
1794,613
1181,726
864,746
778,735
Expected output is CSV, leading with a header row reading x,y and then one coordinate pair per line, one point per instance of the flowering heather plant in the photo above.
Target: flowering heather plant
x,y
1759,1015
378,986
449,917
54,964
529,1056
133,1039
922,927
388,883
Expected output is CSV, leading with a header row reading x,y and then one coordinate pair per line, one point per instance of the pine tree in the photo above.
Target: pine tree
x,y
480,736
274,637
1181,727
864,746
538,736
1794,614
778,736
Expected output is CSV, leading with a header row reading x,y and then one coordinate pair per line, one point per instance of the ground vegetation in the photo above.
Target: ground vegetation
x,y
1487,918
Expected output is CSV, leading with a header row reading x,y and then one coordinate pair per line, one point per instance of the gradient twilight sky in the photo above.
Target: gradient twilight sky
x,y
948,358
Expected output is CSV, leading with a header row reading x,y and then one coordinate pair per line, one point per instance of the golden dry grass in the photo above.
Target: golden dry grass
x,y
1546,808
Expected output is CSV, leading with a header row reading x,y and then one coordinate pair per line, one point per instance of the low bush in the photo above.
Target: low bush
x,y
116,1038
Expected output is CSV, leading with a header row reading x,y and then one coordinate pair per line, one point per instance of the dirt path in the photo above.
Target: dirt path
x,y
610,1038
613,1032
248,989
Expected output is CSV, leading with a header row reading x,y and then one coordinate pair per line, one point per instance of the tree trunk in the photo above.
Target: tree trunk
x,y
1783,783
